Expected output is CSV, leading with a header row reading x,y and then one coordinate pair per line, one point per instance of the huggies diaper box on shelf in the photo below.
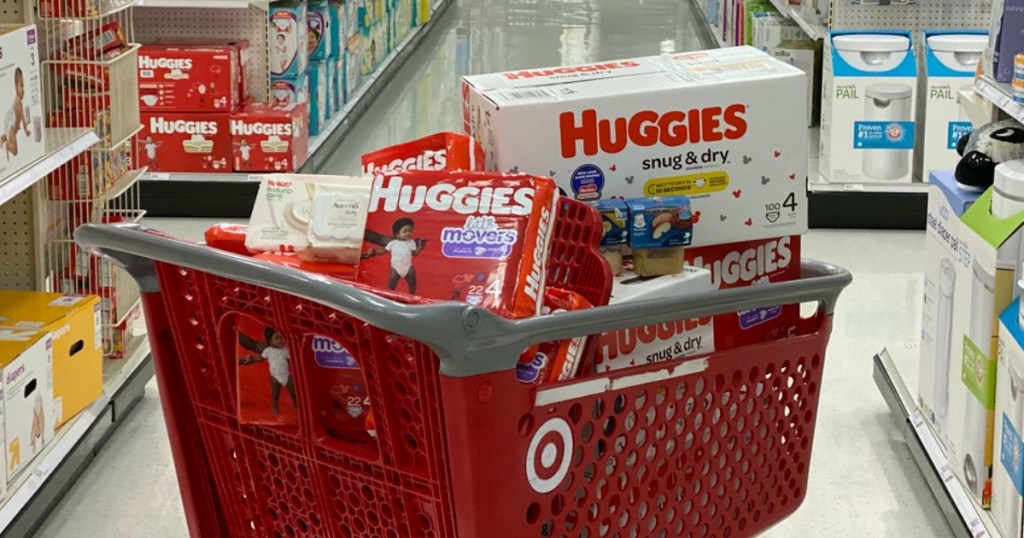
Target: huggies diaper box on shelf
x,y
185,142
266,138
189,78
725,127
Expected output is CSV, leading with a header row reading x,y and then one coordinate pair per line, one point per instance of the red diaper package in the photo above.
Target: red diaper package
x,y
732,265
334,270
441,151
476,237
266,387
99,44
229,237
554,361
243,51
189,78
267,138
185,142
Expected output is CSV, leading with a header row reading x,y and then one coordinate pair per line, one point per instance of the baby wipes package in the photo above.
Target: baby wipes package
x,y
319,218
476,237
724,127
440,151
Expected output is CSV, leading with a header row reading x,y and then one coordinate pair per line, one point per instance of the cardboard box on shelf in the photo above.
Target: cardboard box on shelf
x,y
944,252
1008,449
73,322
289,45
691,124
21,101
289,90
266,138
185,142
318,97
868,101
947,72
185,78
985,270
26,367
318,26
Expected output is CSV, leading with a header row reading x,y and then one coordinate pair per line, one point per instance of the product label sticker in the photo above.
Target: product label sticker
x,y
883,135
1010,454
701,183
66,301
587,182
757,316
329,353
957,130
479,237
978,373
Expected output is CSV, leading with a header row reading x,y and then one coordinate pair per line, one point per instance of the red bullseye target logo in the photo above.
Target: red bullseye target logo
x,y
549,456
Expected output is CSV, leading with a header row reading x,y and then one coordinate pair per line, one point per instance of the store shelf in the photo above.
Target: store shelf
x,y
232,194
712,32
783,7
965,517
207,4
998,93
62,145
52,473
813,30
979,109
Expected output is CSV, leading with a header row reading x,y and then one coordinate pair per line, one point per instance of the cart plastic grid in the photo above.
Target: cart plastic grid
x,y
716,445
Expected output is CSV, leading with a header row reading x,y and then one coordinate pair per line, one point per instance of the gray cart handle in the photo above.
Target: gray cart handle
x,y
468,339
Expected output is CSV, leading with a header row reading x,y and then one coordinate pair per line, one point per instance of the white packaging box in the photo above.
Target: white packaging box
x,y
986,274
26,364
1008,457
869,80
946,284
725,127
663,341
22,140
947,72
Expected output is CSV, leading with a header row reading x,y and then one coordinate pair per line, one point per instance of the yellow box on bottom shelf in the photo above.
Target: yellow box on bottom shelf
x,y
74,322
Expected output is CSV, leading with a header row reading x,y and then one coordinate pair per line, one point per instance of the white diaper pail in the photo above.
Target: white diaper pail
x,y
872,52
959,52
889,103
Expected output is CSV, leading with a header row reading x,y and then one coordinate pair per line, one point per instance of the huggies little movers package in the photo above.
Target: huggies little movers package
x,y
475,237
724,127
869,81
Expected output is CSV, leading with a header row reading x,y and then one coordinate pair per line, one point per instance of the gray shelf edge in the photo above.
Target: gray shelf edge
x,y
65,474
961,519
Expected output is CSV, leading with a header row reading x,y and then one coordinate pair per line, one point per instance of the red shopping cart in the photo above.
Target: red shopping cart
x,y
715,445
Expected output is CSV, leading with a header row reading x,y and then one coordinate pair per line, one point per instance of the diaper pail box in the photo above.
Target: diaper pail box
x,y
950,58
868,103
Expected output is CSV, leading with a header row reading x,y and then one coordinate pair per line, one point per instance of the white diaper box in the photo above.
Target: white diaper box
x,y
725,127
869,80
982,271
21,99
946,284
950,58
26,367
1008,459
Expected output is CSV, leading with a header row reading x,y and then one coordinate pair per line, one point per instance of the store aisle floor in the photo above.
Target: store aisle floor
x,y
863,482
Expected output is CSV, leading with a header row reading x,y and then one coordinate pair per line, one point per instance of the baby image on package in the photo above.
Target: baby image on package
x,y
266,386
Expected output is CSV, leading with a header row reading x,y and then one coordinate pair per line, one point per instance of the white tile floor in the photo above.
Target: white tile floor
x,y
863,482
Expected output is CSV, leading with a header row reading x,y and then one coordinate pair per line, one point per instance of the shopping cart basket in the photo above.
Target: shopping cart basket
x,y
716,445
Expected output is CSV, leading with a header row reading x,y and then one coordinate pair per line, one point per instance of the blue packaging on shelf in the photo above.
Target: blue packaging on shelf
x,y
289,45
614,218
318,96
318,23
660,222
336,28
